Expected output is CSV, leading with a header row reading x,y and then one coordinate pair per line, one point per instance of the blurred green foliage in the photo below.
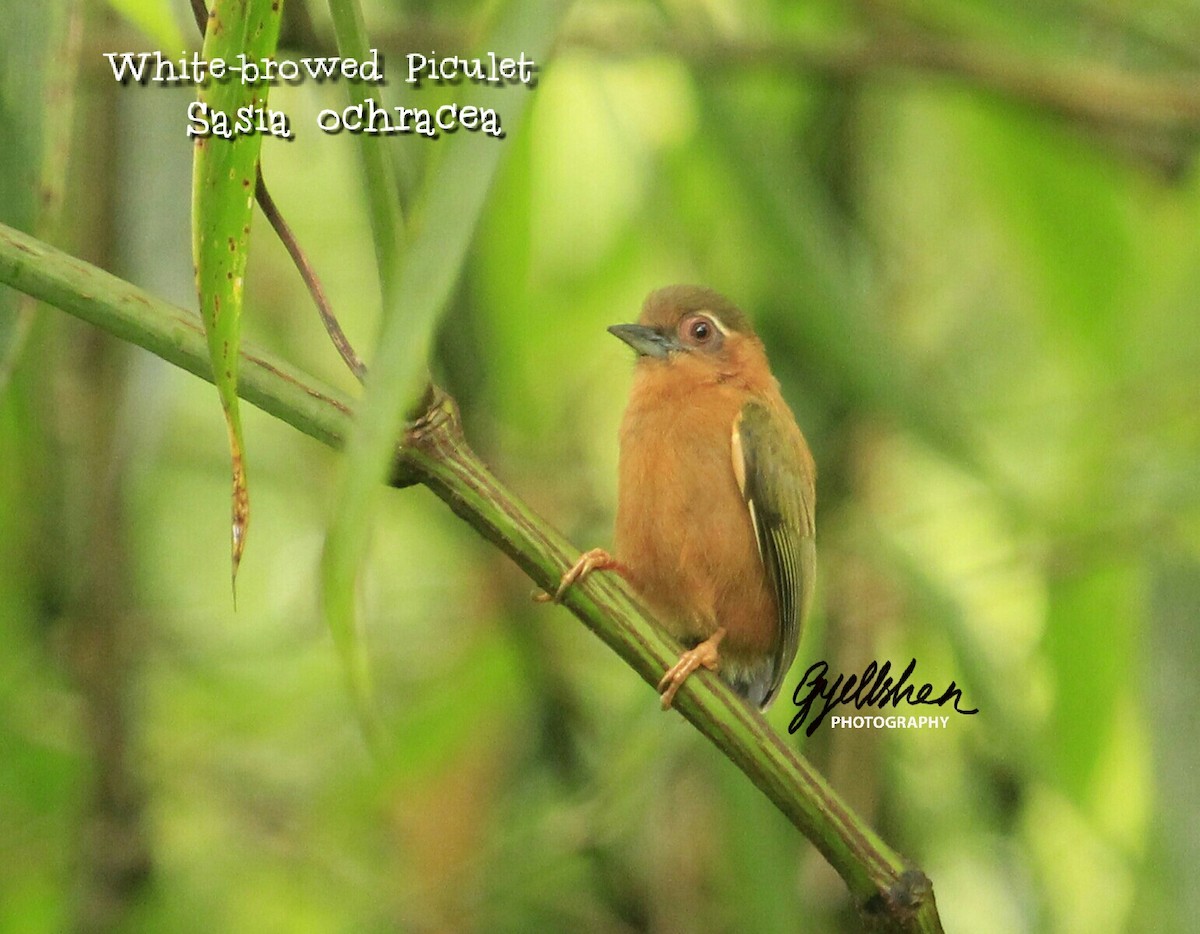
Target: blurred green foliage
x,y
982,308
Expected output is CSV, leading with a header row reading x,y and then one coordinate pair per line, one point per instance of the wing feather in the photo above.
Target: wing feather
x,y
775,474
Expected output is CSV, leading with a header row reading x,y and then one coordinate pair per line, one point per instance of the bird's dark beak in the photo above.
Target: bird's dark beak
x,y
646,341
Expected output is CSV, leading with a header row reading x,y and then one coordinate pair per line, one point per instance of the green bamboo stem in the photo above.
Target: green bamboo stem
x,y
890,894
168,331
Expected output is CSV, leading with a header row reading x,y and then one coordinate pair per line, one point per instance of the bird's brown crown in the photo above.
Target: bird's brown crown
x,y
666,307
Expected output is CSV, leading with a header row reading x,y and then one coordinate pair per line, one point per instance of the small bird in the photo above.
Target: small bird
x,y
716,495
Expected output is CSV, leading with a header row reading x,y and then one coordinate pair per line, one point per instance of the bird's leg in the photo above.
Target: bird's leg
x,y
705,655
595,560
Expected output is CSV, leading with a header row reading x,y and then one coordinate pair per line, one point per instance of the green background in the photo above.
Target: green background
x,y
967,232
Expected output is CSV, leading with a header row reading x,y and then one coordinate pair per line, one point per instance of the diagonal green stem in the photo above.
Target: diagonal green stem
x,y
890,894
168,331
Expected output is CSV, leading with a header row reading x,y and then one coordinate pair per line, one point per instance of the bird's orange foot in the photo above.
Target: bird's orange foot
x,y
705,655
595,560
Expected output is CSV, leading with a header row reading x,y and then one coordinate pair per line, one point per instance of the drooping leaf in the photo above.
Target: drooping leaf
x,y
223,178
416,287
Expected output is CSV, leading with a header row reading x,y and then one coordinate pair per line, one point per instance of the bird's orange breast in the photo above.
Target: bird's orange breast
x,y
683,527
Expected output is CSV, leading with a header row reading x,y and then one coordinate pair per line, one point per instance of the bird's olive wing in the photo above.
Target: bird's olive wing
x,y
775,474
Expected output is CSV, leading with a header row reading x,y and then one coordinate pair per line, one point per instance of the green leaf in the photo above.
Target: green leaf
x,y
415,291
223,180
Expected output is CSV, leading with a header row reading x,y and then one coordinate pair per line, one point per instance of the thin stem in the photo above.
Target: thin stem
x,y
889,893
1093,92
883,884
332,326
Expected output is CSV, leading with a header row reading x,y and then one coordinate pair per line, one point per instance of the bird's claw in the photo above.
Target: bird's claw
x,y
595,560
705,655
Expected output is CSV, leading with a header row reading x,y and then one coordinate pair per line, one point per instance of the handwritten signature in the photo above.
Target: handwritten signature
x,y
874,688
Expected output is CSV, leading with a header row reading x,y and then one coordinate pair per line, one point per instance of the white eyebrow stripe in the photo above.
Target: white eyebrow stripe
x,y
720,326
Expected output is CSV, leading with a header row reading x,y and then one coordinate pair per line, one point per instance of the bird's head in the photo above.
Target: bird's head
x,y
692,322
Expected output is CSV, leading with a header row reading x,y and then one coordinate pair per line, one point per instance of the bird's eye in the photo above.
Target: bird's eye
x,y
701,332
